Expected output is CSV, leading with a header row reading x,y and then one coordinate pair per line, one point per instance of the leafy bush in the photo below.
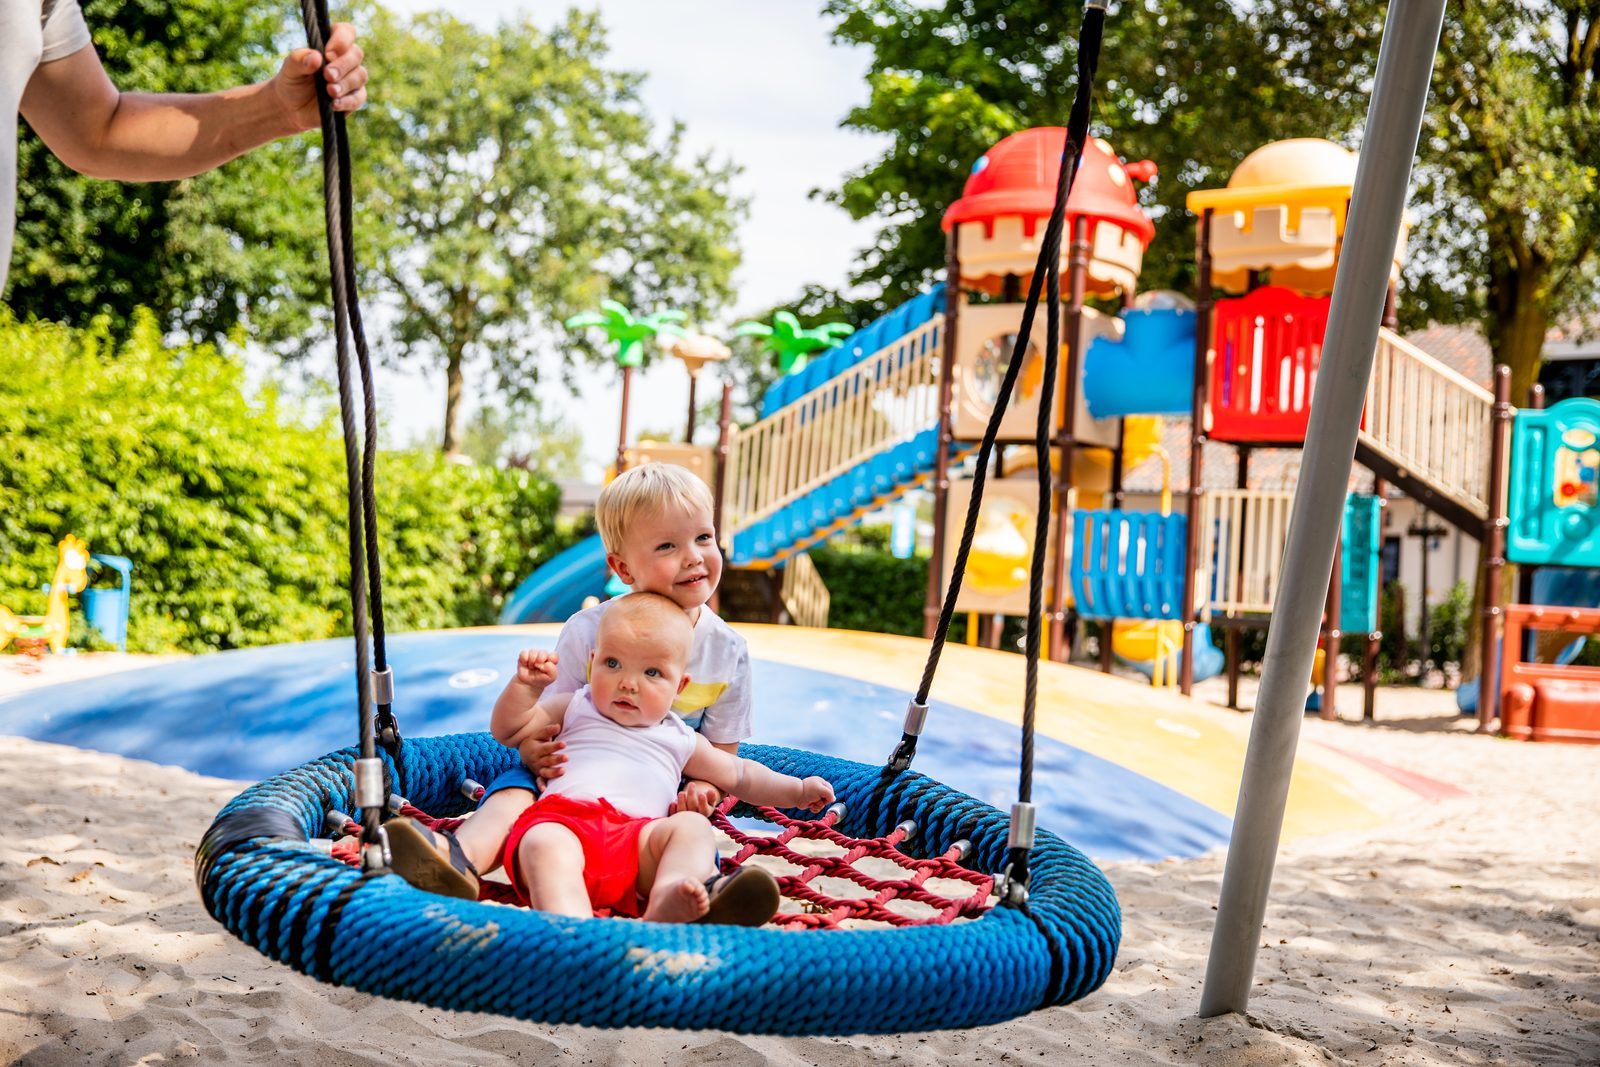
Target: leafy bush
x,y
872,590
1448,625
231,504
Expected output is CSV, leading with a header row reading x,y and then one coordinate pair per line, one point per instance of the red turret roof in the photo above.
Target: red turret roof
x,y
1018,177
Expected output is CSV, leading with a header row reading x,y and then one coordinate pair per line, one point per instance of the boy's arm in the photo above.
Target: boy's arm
x,y
754,783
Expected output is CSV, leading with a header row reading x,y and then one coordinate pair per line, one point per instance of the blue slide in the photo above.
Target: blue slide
x,y
556,591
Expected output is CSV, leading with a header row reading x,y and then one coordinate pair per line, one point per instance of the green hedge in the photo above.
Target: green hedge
x,y
872,590
231,502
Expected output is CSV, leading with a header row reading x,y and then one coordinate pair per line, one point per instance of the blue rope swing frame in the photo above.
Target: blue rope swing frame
x,y
260,876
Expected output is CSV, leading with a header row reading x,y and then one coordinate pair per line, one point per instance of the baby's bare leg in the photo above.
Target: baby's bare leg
x,y
550,866
676,856
483,835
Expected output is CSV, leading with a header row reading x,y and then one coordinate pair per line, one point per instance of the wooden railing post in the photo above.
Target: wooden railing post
x,y
1197,441
1494,548
941,462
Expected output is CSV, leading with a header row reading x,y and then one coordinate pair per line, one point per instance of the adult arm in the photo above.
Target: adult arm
x,y
104,133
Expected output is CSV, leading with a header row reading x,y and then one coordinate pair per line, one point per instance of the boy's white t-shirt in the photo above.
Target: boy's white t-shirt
x,y
717,700
634,768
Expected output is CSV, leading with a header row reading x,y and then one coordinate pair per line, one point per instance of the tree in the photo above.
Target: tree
x,y
205,253
519,181
792,343
1509,179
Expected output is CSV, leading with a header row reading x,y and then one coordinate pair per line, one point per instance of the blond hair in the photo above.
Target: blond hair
x,y
650,613
645,490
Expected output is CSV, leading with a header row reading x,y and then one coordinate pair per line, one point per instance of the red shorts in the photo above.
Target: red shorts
x,y
610,842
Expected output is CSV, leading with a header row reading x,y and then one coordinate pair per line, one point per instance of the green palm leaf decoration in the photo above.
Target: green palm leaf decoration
x,y
626,331
793,343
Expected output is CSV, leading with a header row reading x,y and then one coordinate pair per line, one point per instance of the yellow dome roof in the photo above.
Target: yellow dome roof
x,y
1298,161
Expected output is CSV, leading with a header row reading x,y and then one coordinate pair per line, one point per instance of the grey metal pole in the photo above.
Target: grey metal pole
x,y
1394,121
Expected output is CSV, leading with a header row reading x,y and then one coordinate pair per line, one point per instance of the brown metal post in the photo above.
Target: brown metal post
x,y
1197,441
1331,635
1494,549
622,424
688,434
1369,659
1525,570
941,461
720,475
1066,427
1242,481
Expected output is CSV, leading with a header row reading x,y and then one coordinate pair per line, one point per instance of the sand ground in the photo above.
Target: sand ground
x,y
1465,931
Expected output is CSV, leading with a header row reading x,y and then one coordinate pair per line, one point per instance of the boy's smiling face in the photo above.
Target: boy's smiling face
x,y
672,551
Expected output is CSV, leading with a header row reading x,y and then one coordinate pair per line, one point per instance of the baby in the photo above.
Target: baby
x,y
600,837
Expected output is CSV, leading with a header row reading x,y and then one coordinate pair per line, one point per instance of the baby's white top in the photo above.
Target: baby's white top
x,y
636,768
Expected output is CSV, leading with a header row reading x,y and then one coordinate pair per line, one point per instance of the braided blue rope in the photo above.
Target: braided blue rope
x,y
377,934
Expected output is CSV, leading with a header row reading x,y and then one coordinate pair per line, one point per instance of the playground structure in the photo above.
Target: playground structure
x,y
34,633
1553,531
900,404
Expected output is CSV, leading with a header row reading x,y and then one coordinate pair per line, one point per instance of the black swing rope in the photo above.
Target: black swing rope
x,y
1047,268
366,586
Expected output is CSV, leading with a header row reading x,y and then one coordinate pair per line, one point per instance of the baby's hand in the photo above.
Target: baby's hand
x,y
815,794
698,796
536,668
543,754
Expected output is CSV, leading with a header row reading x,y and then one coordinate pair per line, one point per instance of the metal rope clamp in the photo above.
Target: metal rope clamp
x,y
916,719
1013,890
381,685
370,794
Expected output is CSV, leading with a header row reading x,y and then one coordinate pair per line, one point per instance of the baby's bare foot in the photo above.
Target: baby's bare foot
x,y
681,903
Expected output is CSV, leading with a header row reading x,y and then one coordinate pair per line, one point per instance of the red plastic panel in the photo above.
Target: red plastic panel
x,y
1268,345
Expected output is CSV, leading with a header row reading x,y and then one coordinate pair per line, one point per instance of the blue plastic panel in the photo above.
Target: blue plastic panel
x,y
1555,485
1128,565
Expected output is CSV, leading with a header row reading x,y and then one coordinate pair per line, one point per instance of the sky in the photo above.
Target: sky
x,y
755,81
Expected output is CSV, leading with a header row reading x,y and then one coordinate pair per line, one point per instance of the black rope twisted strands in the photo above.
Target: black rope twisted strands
x,y
1072,155
318,28
1089,39
386,728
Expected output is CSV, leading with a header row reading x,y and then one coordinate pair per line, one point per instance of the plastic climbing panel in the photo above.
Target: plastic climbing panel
x,y
1128,565
1555,485
1359,555
1267,346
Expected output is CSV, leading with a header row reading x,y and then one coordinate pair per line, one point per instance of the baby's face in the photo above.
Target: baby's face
x,y
636,673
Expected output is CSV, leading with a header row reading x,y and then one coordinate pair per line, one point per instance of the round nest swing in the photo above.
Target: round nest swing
x,y
262,878
267,870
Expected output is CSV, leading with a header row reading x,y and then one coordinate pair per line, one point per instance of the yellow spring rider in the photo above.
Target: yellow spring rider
x,y
33,632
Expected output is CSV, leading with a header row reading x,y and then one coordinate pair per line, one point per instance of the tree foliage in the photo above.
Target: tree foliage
x,y
519,180
231,503
204,253
1509,178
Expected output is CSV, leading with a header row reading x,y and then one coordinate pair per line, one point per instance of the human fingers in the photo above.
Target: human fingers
x,y
340,41
348,85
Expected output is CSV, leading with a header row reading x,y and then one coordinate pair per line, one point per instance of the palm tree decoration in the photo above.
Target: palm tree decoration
x,y
629,334
793,343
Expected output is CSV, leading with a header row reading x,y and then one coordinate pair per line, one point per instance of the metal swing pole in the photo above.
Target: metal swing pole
x,y
1394,122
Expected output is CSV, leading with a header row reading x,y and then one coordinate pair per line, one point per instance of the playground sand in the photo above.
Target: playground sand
x,y
1466,931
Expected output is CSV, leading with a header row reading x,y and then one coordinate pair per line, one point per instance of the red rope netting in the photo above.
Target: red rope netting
x,y
891,887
